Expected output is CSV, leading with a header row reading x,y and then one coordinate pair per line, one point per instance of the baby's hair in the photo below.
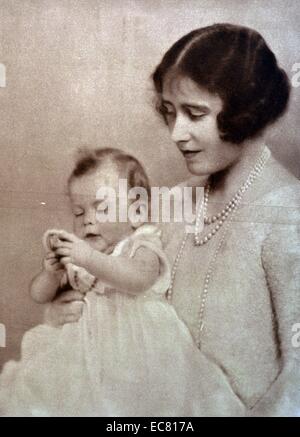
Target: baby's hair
x,y
126,164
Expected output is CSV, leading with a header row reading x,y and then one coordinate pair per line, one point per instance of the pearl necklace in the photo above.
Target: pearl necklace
x,y
222,216
257,169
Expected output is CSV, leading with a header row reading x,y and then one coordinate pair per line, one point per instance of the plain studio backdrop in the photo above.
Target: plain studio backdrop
x,y
77,74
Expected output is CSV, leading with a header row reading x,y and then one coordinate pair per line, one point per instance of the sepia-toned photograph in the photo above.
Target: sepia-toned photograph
x,y
149,208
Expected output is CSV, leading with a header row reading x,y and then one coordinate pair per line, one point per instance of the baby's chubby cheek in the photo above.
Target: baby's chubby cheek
x,y
97,243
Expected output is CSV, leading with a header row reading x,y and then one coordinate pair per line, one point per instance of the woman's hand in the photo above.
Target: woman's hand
x,y
72,249
66,308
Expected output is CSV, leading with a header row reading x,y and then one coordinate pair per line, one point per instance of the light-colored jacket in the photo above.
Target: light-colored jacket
x,y
253,302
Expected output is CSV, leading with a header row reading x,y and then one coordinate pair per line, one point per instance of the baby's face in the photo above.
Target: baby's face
x,y
83,194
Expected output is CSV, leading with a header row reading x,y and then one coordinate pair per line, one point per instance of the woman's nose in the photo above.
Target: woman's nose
x,y
180,130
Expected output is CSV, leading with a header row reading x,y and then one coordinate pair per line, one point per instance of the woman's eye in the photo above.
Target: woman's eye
x,y
78,214
167,112
196,116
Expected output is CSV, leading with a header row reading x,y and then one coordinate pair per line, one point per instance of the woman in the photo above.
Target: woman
x,y
235,284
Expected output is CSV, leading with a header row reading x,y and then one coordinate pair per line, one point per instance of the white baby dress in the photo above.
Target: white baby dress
x,y
126,356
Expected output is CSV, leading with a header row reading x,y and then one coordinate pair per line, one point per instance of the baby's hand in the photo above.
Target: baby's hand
x,y
72,249
52,264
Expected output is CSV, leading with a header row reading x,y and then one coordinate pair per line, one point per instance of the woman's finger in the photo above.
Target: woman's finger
x,y
69,296
72,318
66,308
71,312
74,309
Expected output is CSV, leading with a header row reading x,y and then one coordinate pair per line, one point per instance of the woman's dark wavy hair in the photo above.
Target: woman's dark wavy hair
x,y
236,63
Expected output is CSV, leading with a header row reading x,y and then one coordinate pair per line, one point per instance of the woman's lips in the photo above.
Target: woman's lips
x,y
190,154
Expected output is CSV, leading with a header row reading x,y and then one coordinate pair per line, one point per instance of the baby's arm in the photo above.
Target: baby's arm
x,y
44,286
133,275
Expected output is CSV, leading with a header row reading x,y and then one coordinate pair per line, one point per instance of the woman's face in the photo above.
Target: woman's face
x,y
191,114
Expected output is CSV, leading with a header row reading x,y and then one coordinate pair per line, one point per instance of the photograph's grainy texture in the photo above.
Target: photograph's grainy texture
x,y
194,324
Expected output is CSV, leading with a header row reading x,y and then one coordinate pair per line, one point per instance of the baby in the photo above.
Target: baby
x,y
129,354
93,240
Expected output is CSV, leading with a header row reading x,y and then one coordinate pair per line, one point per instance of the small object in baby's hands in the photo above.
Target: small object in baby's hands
x,y
53,240
50,240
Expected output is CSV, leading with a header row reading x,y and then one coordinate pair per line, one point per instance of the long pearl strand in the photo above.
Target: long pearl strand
x,y
230,207
222,216
204,295
178,257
